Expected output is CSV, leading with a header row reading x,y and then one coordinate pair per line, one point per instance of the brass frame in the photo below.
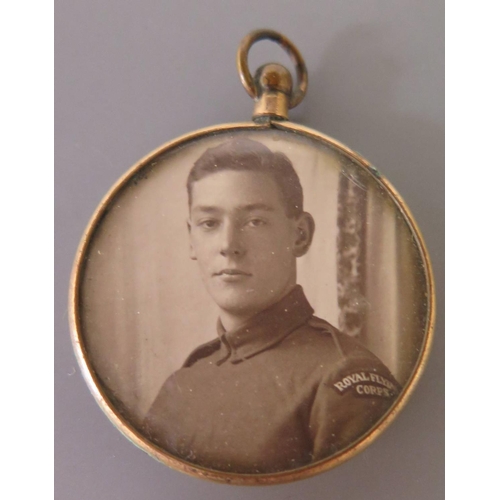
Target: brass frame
x,y
133,435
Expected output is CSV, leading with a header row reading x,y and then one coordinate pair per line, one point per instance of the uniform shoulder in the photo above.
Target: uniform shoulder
x,y
202,351
320,331
320,325
346,354
319,338
346,345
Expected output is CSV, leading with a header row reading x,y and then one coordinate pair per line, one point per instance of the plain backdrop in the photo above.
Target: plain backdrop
x,y
131,75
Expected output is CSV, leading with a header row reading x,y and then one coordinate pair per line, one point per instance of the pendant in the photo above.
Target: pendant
x,y
253,303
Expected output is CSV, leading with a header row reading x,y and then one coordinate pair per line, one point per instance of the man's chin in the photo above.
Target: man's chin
x,y
237,305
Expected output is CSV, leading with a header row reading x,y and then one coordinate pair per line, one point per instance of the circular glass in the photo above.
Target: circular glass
x,y
252,304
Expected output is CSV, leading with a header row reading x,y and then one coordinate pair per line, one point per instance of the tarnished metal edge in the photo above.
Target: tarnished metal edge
x,y
133,435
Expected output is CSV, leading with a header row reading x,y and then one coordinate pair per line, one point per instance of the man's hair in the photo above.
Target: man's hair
x,y
242,154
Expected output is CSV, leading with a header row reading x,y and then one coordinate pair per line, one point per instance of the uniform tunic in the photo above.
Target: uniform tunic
x,y
284,390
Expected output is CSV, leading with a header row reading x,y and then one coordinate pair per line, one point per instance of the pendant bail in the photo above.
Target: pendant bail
x,y
272,86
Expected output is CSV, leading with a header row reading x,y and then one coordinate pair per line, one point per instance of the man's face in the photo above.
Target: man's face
x,y
243,240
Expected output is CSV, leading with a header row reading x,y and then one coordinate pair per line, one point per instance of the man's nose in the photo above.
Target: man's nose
x,y
232,240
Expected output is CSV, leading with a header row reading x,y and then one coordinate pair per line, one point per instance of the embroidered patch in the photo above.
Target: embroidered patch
x,y
364,383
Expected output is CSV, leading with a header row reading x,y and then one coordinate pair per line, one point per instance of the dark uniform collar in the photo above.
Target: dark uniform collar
x,y
266,328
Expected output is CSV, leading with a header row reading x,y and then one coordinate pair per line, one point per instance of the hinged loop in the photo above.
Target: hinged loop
x,y
300,67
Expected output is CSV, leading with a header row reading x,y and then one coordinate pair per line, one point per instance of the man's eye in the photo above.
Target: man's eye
x,y
256,222
208,224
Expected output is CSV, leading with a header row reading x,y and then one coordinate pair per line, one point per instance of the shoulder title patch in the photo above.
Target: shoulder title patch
x,y
364,384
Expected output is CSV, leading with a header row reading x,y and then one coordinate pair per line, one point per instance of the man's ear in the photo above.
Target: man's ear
x,y
305,231
192,255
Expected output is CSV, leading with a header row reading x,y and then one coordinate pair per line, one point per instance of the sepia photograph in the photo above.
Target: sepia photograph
x,y
253,301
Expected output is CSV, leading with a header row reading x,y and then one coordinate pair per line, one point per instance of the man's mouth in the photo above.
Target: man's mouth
x,y
231,272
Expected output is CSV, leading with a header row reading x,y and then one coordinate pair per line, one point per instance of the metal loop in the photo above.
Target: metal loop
x,y
244,72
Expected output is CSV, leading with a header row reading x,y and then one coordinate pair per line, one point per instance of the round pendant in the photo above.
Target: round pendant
x,y
252,303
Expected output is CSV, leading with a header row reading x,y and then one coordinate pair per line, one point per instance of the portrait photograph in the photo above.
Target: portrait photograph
x,y
253,301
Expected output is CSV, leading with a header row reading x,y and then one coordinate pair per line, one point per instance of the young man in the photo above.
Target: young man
x,y
278,388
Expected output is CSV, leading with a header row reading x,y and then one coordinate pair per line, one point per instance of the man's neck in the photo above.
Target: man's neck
x,y
232,321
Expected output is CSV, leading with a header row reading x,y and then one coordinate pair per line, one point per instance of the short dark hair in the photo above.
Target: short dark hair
x,y
243,154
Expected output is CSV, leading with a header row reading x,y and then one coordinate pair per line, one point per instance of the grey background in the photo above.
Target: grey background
x,y
132,75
